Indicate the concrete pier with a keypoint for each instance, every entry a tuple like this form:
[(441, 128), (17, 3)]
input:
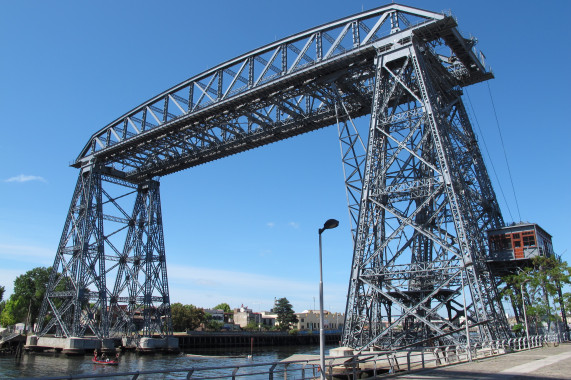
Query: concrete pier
[(86, 345), (70, 346), (151, 345)]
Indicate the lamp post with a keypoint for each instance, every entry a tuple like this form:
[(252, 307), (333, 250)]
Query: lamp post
[(329, 224), (468, 346), (524, 312)]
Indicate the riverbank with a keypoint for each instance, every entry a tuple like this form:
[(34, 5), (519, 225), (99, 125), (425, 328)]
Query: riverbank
[(231, 340), (47, 364), (179, 341)]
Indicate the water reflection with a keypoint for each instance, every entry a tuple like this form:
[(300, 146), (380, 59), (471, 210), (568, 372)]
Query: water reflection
[(54, 364)]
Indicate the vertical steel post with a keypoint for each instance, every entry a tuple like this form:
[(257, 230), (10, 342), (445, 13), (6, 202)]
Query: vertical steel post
[(321, 318), (524, 315), (468, 346)]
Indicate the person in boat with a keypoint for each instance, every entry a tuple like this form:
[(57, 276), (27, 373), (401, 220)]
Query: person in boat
[(95, 355), (104, 357)]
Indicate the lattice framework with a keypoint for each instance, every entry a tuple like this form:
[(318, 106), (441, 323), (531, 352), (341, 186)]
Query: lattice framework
[(418, 194), (426, 202)]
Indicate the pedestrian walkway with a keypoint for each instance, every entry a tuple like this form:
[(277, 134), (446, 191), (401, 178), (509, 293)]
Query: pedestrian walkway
[(540, 363)]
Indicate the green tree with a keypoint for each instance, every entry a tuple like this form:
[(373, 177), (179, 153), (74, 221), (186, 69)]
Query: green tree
[(2, 302), (28, 295), (212, 324), (518, 329), (285, 313), (542, 282), (223, 306), (9, 314), (251, 326), (186, 317)]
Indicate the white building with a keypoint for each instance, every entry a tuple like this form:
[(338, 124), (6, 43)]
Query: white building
[(308, 320), (269, 319)]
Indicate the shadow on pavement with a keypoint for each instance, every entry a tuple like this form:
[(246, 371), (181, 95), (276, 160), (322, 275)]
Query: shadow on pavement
[(437, 374)]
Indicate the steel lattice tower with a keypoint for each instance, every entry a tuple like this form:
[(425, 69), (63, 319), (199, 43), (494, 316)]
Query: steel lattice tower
[(78, 300), (425, 204)]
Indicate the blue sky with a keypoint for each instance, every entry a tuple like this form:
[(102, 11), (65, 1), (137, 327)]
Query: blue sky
[(243, 230)]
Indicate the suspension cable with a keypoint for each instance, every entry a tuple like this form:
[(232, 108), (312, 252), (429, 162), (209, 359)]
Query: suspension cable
[(504, 149), (488, 153)]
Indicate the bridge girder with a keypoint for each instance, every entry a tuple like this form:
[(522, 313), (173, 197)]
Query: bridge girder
[(274, 92), (326, 75)]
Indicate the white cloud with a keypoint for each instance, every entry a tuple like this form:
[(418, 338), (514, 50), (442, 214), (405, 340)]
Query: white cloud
[(225, 279), (27, 253), (207, 287), (294, 224), (7, 277), (25, 178), (271, 224)]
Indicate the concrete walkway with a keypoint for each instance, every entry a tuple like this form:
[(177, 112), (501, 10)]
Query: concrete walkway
[(539, 363)]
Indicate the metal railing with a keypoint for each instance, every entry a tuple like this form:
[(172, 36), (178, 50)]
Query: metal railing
[(374, 363), (7, 337)]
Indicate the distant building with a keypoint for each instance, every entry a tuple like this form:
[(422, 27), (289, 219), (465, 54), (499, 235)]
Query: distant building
[(309, 320), (217, 315), (230, 327), (269, 319), (244, 316)]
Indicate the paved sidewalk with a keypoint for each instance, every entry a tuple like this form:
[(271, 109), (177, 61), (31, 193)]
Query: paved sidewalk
[(539, 363)]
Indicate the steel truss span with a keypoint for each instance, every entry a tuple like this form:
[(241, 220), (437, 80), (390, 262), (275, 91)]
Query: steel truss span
[(418, 192)]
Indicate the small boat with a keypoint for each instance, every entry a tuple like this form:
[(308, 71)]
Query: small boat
[(105, 362)]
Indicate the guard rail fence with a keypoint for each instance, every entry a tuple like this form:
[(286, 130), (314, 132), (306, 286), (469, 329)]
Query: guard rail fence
[(371, 363)]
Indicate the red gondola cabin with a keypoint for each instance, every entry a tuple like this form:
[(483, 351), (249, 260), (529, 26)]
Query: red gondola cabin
[(519, 241)]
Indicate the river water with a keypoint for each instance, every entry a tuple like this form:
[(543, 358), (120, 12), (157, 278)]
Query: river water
[(54, 364)]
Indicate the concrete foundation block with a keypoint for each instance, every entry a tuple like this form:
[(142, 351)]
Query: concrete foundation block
[(70, 346), (149, 345), (341, 351)]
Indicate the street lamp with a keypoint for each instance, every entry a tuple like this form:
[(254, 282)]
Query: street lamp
[(329, 224), (524, 312), (468, 346)]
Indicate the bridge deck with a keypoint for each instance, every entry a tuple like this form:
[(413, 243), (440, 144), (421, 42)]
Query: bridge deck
[(543, 363)]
